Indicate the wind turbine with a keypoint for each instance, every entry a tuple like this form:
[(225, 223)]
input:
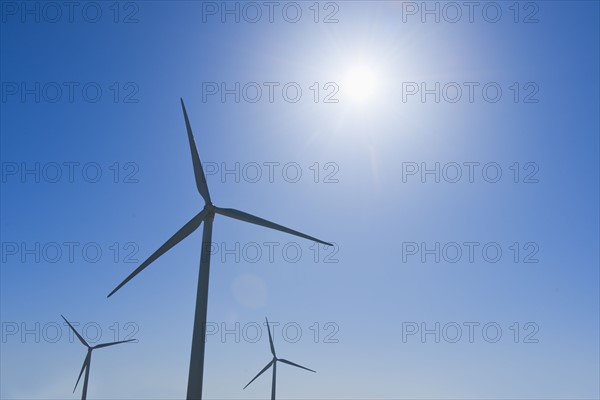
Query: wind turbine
[(273, 364), (207, 215), (88, 358)]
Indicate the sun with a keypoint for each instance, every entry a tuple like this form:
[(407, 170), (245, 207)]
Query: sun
[(359, 84)]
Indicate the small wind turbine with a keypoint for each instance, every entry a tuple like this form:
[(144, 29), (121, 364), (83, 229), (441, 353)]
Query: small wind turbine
[(273, 364), (88, 358), (207, 215)]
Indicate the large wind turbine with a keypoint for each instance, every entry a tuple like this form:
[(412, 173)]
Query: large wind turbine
[(194, 389), (88, 358), (273, 364)]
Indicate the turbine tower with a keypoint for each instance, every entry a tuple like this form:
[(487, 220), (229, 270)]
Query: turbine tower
[(207, 215), (273, 364), (88, 358)]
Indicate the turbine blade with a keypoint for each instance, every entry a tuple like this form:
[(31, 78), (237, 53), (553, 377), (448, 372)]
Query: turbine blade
[(260, 373), (198, 172), (113, 343), (83, 367), (270, 339), (295, 365), (242, 216), (181, 234), (81, 339)]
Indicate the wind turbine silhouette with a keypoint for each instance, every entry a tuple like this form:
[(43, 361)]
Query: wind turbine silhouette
[(207, 215), (273, 364), (88, 358)]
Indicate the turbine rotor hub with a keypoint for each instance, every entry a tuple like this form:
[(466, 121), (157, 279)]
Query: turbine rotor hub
[(210, 209)]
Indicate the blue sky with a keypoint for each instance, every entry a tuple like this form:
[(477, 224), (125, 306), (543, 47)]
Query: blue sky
[(361, 185)]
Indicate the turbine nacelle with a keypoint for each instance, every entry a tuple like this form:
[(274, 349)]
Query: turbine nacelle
[(209, 209)]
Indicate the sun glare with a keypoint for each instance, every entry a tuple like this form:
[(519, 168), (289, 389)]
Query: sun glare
[(360, 84)]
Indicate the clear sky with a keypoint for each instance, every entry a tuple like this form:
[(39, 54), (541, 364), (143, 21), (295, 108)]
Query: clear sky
[(454, 163)]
